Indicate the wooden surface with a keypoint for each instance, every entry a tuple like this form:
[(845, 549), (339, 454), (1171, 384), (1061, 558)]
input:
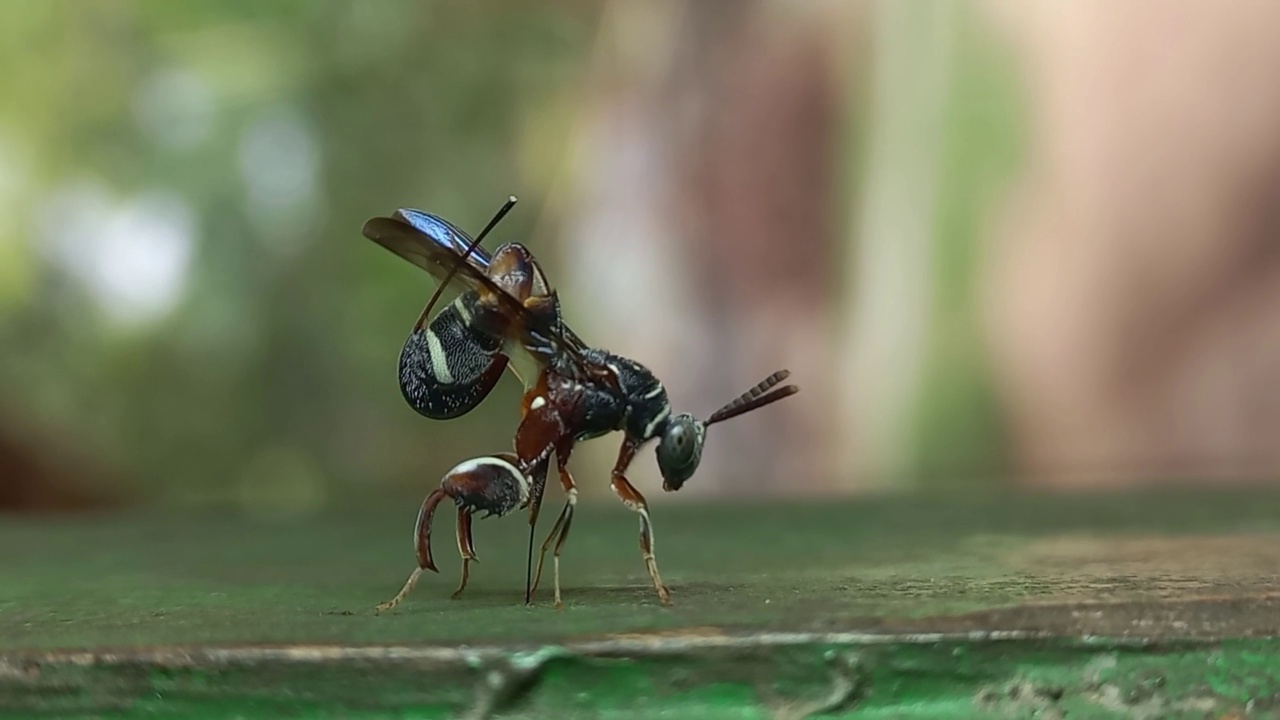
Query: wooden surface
[(93, 601)]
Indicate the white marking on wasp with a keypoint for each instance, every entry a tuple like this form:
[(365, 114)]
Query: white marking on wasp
[(657, 420), (655, 392), (439, 361), (537, 403), (498, 464), (463, 313), (616, 372)]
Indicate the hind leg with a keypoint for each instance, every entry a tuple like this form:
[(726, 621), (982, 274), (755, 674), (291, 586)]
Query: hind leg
[(491, 484), (422, 545), (466, 548), (404, 592)]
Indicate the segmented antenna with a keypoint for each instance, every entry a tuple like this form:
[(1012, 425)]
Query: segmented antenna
[(756, 397), (497, 217)]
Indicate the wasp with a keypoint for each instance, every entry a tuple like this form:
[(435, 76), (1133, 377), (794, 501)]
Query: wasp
[(500, 312)]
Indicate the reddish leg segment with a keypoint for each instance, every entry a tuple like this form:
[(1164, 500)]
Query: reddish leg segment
[(542, 429), (632, 498)]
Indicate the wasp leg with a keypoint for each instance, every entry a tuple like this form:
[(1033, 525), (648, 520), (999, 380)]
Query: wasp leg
[(632, 498), (466, 548), (564, 534), (422, 544), (536, 490), (491, 484), (404, 592), (560, 530), (542, 431), (542, 552)]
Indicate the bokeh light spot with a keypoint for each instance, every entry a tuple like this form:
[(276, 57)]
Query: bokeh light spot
[(175, 108), (132, 256), (279, 160)]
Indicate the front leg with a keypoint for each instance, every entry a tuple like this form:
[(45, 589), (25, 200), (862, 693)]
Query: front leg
[(632, 498)]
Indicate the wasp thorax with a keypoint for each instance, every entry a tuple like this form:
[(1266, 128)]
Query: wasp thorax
[(680, 450)]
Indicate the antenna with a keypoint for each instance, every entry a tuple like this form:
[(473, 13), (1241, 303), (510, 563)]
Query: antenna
[(756, 397)]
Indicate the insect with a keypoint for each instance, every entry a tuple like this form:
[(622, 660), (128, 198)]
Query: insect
[(502, 313)]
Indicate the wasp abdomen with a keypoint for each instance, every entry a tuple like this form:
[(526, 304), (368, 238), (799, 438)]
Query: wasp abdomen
[(490, 484), (450, 366)]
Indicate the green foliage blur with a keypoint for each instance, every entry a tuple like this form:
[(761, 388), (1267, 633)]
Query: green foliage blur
[(263, 135), (959, 423), (188, 308)]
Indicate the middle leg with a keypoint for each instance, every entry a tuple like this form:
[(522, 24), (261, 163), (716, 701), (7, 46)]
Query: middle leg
[(540, 431), (538, 484), (560, 531)]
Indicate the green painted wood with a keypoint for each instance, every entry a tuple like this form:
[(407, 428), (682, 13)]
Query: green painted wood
[(917, 607)]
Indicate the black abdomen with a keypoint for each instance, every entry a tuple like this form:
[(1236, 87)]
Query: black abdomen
[(448, 368)]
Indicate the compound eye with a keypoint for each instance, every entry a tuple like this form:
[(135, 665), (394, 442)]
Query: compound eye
[(679, 445)]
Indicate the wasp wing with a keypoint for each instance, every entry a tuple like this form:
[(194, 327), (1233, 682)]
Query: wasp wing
[(450, 238), (436, 245)]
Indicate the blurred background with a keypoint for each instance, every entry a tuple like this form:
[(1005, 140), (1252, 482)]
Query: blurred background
[(998, 243)]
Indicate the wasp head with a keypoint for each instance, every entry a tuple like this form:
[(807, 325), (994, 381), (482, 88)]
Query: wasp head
[(680, 450)]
